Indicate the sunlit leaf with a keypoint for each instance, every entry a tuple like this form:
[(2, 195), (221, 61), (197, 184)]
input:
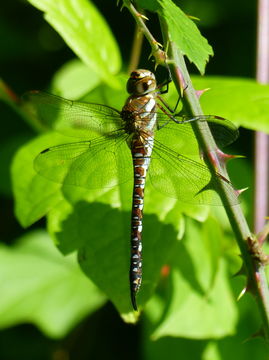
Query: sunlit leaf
[(85, 31), (43, 287), (34, 195), (73, 80), (7, 151), (101, 234), (190, 298), (81, 226), (194, 314), (241, 100), (183, 31)]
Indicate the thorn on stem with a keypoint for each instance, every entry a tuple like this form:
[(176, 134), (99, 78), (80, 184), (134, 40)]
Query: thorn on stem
[(238, 192), (193, 17), (142, 16), (155, 42), (242, 293), (224, 158), (160, 57), (199, 93)]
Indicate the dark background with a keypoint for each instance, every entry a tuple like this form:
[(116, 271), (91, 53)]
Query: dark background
[(31, 52)]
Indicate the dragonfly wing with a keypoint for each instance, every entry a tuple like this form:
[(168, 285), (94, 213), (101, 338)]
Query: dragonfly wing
[(72, 118), (223, 131), (185, 179), (180, 137), (98, 163)]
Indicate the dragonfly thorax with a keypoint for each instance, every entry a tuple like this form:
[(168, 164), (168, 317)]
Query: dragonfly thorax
[(141, 82), (139, 113)]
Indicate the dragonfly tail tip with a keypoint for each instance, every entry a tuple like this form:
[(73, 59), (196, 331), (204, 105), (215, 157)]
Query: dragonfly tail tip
[(133, 298)]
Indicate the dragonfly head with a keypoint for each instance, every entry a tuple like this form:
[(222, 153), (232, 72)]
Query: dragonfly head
[(141, 82)]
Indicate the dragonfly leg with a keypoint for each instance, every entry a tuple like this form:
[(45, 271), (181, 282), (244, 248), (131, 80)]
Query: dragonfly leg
[(170, 116), (165, 83)]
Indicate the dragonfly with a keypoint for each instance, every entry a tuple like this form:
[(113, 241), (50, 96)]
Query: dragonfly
[(141, 141)]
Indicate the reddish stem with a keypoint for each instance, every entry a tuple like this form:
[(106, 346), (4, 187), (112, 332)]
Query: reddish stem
[(261, 139)]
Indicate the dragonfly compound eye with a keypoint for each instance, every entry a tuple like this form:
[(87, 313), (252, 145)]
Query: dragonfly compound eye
[(142, 86)]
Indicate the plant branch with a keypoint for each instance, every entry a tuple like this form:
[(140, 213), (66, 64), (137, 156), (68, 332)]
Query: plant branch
[(248, 244), (159, 55), (250, 249), (136, 49)]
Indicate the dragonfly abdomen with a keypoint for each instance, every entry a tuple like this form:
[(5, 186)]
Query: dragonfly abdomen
[(141, 152)]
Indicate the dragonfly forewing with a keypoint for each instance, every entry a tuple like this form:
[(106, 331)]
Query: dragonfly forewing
[(185, 179), (99, 163), (223, 131), (72, 118)]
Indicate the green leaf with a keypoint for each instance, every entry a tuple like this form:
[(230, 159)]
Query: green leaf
[(167, 347), (108, 95), (73, 80), (199, 260), (7, 151), (239, 347), (210, 235), (241, 100), (195, 315), (101, 234), (34, 195), (211, 352), (42, 287), (183, 31), (186, 35), (193, 297), (85, 32)]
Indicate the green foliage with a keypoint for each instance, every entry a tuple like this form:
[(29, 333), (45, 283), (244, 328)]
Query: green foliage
[(7, 150), (107, 235), (33, 197), (198, 287), (77, 23), (225, 349), (182, 31), (241, 100), (74, 80), (43, 287), (196, 301), (205, 308)]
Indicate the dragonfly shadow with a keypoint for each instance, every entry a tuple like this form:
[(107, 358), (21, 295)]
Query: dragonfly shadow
[(185, 265), (101, 236), (182, 262)]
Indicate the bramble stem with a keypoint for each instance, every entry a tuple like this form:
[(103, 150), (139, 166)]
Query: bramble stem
[(257, 282), (159, 55), (250, 248), (136, 49)]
